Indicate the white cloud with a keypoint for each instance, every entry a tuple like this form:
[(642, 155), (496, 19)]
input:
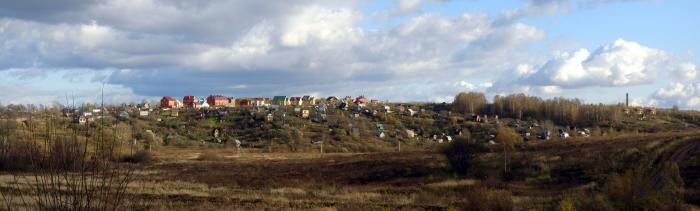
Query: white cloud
[(620, 63), (686, 72), (325, 25), (683, 95)]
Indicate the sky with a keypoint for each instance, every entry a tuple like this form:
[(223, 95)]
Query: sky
[(402, 50)]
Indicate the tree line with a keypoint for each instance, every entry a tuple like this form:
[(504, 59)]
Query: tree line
[(562, 111)]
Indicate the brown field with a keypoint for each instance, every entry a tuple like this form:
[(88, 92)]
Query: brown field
[(223, 179)]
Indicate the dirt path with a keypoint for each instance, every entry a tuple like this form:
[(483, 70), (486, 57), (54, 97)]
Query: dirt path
[(676, 156)]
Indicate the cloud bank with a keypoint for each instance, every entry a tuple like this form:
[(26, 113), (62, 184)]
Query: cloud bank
[(150, 48)]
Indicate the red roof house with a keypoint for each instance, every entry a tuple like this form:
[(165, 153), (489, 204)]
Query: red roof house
[(168, 102), (189, 101), (297, 101)]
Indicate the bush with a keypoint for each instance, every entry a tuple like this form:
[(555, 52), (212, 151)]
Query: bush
[(461, 155), (141, 156), (636, 189), (66, 155), (19, 156)]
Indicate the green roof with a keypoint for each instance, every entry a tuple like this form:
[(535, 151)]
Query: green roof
[(279, 99)]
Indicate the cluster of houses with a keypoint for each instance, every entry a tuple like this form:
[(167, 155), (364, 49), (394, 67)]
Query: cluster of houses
[(640, 111), (83, 115), (220, 101)]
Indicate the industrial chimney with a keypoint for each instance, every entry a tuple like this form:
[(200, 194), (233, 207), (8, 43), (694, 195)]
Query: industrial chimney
[(627, 99)]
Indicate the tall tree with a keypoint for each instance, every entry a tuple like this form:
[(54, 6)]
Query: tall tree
[(469, 103), (508, 137)]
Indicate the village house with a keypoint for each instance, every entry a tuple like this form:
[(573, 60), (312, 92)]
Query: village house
[(361, 100), (309, 100), (652, 111), (332, 99), (217, 100), (178, 103), (190, 101), (261, 102), (280, 101), (231, 102), (245, 102), (374, 101), (203, 104), (296, 101), (168, 102)]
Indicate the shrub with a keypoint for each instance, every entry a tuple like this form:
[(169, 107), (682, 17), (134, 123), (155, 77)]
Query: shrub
[(636, 189), (141, 156), (19, 156), (461, 155), (66, 154)]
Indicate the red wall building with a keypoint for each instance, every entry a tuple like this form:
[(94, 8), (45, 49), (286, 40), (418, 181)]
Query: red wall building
[(217, 101), (189, 101), (168, 102)]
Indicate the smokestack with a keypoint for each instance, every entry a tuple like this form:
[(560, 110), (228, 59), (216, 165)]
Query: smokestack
[(627, 99)]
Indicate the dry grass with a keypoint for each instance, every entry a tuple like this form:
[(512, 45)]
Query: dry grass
[(450, 183), (221, 179)]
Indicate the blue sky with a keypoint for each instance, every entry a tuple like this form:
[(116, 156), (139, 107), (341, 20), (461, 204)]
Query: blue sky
[(403, 50)]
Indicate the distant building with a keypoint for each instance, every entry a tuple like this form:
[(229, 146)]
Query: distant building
[(361, 100), (296, 101), (309, 100), (190, 101), (245, 102), (332, 99), (217, 101), (168, 102), (280, 101), (231, 102), (203, 104), (261, 102), (652, 111)]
